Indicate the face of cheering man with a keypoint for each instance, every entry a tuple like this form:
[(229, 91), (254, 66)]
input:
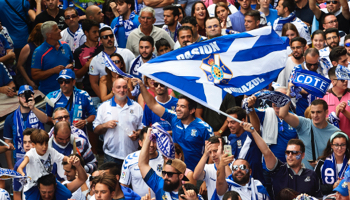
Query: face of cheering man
[(332, 40), (297, 50), (172, 178), (107, 38), (120, 89), (185, 37), (241, 172), (183, 111), (294, 156), (146, 49)]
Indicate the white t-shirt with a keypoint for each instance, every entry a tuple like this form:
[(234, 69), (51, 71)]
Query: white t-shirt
[(97, 65), (131, 172), (39, 166), (77, 195), (211, 9), (210, 178), (284, 75)]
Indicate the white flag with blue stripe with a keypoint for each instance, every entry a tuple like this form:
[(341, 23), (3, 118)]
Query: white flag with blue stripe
[(236, 64)]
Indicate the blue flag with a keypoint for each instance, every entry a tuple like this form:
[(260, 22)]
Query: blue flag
[(235, 64), (312, 82), (164, 141), (114, 68)]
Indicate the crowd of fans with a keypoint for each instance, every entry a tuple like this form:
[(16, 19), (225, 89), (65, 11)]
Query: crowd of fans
[(73, 53)]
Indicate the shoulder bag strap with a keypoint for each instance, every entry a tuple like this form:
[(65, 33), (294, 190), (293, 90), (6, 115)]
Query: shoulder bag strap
[(19, 15), (313, 144)]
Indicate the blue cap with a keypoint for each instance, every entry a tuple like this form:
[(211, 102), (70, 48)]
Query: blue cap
[(342, 188), (66, 74), (24, 88)]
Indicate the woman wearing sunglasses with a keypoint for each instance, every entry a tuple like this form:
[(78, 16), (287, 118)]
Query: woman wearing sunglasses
[(106, 82), (333, 163)]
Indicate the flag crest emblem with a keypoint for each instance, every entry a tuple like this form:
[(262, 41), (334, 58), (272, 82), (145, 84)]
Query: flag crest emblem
[(215, 70)]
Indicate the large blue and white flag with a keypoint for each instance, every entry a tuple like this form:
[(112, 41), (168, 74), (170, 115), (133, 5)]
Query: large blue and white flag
[(236, 64)]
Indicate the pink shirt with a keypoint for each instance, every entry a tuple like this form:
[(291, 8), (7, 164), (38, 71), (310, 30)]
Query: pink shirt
[(332, 102)]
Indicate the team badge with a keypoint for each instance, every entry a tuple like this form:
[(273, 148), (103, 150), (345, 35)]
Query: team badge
[(131, 111), (193, 132), (123, 175), (159, 168), (173, 107), (239, 143), (63, 51), (215, 70), (307, 179)]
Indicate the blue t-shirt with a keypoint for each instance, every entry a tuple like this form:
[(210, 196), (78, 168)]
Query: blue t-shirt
[(191, 139), (271, 17), (17, 28), (5, 77), (150, 118), (120, 34), (253, 155), (129, 194), (156, 183), (17, 186), (46, 57), (237, 21)]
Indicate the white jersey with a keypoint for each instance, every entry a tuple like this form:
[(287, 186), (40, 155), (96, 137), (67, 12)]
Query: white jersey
[(97, 65), (210, 178), (4, 195), (324, 57), (78, 194), (74, 40), (131, 172)]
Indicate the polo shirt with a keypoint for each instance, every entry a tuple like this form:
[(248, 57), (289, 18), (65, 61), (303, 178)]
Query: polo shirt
[(59, 19), (333, 101), (321, 137), (305, 181), (129, 119), (5, 77), (149, 117), (191, 139), (46, 57), (156, 33), (120, 34)]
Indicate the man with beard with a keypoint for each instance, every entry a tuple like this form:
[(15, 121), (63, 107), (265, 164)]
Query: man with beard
[(164, 99), (173, 173), (298, 46), (291, 174), (331, 21), (51, 13), (192, 23), (26, 116), (146, 48), (131, 175), (332, 40), (212, 27), (185, 36), (171, 23), (333, 7), (119, 120), (97, 64), (188, 131)]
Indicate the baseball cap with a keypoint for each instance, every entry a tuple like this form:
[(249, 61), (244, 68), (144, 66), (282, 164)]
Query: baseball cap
[(179, 165), (342, 188), (66, 74), (24, 88)]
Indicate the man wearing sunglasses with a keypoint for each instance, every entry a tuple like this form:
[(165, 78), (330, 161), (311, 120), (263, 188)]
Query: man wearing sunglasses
[(51, 13), (338, 99), (292, 173), (213, 27), (333, 6), (72, 35), (347, 47)]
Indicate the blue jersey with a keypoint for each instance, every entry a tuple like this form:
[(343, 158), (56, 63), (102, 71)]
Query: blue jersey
[(5, 77), (191, 139), (46, 57), (272, 16), (150, 118), (17, 186), (244, 147), (120, 33)]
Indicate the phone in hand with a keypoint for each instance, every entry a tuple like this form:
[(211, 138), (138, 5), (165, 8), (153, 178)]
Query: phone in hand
[(27, 95), (228, 149)]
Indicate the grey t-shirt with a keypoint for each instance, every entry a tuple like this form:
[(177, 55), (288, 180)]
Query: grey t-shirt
[(321, 137)]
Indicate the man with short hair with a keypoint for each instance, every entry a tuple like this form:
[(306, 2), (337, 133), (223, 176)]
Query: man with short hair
[(331, 21), (51, 13), (188, 131), (332, 40), (338, 56), (72, 35), (97, 64), (25, 116), (286, 12), (333, 7), (213, 27), (119, 117), (321, 129), (77, 102), (185, 36), (298, 46), (237, 18), (291, 174), (131, 175), (146, 19), (50, 58), (125, 22), (251, 20), (94, 13), (192, 23), (162, 46), (146, 49), (171, 21)]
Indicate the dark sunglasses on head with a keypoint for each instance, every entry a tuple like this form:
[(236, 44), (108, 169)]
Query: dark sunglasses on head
[(333, 2), (60, 118), (107, 36), (66, 81), (71, 16), (347, 44), (292, 152), (241, 167), (169, 174), (158, 84)]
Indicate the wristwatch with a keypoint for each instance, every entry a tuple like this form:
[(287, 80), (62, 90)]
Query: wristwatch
[(220, 131), (86, 122)]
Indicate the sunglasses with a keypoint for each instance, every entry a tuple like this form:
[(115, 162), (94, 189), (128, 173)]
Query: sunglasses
[(158, 84), (292, 152), (71, 16), (60, 118), (347, 44), (308, 65), (169, 174), (116, 61), (340, 80), (66, 81), (107, 36), (333, 2), (241, 167)]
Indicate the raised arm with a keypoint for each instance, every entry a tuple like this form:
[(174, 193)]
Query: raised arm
[(23, 56), (199, 173), (291, 119), (40, 114), (254, 119), (149, 99), (345, 9), (82, 176), (144, 156), (315, 9), (157, 3), (221, 184)]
